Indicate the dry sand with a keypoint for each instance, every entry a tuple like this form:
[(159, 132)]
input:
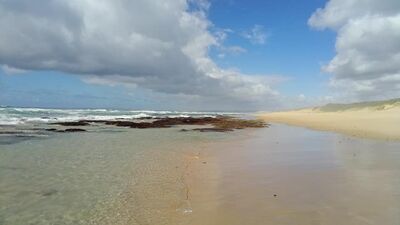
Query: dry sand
[(377, 121)]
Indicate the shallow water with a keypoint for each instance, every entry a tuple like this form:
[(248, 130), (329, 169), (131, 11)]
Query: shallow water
[(277, 175), (120, 176), (289, 175)]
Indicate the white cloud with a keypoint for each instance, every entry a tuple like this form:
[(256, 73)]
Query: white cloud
[(231, 50), (301, 97), (11, 70), (367, 61), (338, 13), (157, 45), (221, 35), (256, 35)]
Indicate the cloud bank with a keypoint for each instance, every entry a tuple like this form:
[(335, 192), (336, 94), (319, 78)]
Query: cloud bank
[(367, 61), (157, 45)]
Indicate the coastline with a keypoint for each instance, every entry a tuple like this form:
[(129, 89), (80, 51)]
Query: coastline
[(137, 169), (275, 175), (364, 123)]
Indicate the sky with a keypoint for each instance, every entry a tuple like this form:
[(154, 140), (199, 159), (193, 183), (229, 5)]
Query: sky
[(198, 54)]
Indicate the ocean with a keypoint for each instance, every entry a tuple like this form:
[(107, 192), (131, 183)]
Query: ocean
[(108, 175), (18, 124), (21, 116)]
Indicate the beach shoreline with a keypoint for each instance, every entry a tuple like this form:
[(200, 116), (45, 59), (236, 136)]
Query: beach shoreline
[(291, 175), (174, 174), (275, 175), (365, 123)]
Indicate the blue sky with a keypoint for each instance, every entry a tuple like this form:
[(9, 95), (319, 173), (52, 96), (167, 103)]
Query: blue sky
[(253, 53), (292, 48)]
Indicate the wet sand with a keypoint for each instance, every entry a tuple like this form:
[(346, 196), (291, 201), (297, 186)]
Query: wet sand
[(289, 175)]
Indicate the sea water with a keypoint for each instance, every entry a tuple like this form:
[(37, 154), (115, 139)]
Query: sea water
[(108, 175)]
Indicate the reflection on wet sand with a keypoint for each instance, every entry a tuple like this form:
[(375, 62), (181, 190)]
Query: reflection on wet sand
[(288, 175)]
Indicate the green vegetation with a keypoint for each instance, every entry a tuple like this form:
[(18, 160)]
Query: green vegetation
[(377, 105)]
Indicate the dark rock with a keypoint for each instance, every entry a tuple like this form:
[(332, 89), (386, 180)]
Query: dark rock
[(51, 129), (213, 129), (140, 125), (72, 124), (146, 118), (11, 132), (50, 192), (74, 130), (71, 130)]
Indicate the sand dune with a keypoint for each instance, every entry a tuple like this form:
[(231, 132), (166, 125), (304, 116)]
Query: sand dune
[(368, 119)]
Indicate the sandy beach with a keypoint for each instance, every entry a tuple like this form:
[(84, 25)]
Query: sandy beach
[(291, 175), (378, 121), (178, 175)]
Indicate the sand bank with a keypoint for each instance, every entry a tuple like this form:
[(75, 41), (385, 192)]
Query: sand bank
[(381, 122)]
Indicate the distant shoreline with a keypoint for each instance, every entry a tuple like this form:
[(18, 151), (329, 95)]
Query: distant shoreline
[(377, 122)]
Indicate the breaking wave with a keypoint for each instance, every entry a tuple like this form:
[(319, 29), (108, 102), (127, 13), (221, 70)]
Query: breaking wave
[(17, 116)]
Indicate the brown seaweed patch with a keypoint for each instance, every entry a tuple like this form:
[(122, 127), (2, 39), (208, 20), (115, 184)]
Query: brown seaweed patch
[(234, 123), (220, 124)]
